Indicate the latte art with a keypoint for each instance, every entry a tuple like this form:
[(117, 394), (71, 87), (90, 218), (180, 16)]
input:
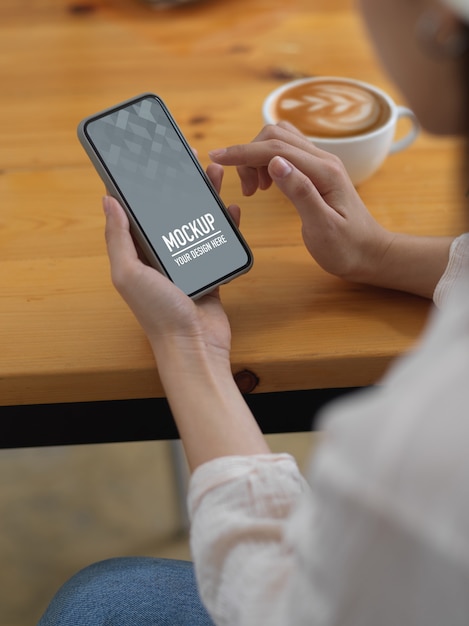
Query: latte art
[(332, 109)]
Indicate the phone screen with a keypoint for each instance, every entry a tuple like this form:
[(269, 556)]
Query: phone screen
[(165, 189)]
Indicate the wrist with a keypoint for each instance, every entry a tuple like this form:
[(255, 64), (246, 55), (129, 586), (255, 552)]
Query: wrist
[(366, 264), (409, 263), (376, 260), (211, 415), (181, 356)]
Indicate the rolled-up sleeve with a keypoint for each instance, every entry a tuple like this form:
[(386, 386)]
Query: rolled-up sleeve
[(379, 533), (458, 263), (238, 508)]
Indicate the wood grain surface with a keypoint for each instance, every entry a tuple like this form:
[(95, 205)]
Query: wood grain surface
[(65, 335)]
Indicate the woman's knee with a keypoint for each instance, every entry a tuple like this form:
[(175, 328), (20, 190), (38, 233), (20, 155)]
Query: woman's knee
[(129, 590)]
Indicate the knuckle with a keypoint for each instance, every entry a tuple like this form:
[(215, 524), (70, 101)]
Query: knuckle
[(121, 277), (270, 129), (271, 132), (276, 145), (334, 164), (334, 160), (303, 188), (117, 279)]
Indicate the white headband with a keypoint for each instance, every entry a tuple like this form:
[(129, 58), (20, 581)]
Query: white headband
[(460, 7)]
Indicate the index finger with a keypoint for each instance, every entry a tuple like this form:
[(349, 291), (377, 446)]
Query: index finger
[(252, 159), (121, 249)]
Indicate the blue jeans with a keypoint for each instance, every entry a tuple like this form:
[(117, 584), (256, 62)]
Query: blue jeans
[(129, 591)]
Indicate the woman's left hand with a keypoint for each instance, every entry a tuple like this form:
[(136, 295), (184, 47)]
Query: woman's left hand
[(163, 310)]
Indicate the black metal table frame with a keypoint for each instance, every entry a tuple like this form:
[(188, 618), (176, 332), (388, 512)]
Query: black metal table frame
[(113, 421)]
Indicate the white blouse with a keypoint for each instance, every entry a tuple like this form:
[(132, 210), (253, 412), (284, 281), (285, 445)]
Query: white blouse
[(378, 534)]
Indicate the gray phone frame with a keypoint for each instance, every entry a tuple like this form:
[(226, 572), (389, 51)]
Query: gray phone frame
[(138, 234)]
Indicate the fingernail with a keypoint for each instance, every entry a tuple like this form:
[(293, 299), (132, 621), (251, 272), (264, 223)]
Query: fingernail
[(280, 167), (214, 154)]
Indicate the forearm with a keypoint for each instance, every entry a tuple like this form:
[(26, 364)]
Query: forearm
[(212, 417), (409, 263), (191, 346)]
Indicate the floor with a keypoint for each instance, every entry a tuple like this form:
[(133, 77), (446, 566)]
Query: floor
[(63, 508)]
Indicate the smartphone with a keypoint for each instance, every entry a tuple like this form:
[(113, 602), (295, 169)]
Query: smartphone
[(175, 214)]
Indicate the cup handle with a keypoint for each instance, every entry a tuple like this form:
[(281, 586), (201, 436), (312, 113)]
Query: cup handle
[(411, 136)]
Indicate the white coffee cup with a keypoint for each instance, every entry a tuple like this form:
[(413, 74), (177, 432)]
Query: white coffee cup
[(349, 118)]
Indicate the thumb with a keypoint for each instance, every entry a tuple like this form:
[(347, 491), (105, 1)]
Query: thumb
[(117, 233), (296, 186), (120, 246)]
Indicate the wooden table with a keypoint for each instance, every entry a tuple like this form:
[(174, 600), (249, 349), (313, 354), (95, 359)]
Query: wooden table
[(74, 364)]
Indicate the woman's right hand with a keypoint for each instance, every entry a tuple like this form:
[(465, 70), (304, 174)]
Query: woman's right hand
[(338, 230)]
